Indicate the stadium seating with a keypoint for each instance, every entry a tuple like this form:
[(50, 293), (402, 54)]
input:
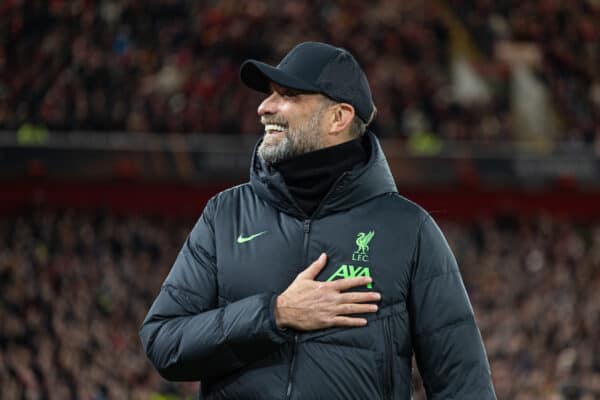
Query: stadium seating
[(173, 66)]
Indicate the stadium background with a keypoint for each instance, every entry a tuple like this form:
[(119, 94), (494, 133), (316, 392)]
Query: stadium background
[(120, 118)]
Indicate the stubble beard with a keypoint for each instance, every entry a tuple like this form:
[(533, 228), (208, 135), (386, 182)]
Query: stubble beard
[(296, 141)]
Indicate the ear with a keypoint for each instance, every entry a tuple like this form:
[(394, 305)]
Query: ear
[(341, 118)]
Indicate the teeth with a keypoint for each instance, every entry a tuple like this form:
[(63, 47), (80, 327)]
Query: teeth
[(274, 127)]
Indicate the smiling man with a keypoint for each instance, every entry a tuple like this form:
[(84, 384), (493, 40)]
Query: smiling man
[(316, 280), (306, 111)]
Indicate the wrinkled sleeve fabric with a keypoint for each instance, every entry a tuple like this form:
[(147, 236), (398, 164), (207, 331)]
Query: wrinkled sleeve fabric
[(186, 335), (447, 344)]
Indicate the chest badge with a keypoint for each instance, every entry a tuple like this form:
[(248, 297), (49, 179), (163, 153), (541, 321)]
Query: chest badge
[(362, 243), (361, 255)]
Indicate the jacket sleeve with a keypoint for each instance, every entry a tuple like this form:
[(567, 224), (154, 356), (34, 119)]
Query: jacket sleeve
[(186, 335), (446, 341)]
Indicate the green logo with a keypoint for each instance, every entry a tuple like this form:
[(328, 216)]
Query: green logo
[(350, 271), (362, 243), (242, 239)]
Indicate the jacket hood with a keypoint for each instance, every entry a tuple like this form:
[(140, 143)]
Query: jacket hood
[(355, 187)]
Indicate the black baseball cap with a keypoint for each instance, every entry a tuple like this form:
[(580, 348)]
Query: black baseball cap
[(318, 68)]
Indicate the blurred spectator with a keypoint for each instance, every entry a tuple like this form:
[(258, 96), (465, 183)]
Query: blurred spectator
[(75, 286)]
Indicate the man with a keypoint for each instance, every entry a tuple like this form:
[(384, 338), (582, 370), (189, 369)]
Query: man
[(316, 280)]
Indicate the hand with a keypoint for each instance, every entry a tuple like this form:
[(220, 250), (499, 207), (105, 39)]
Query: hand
[(309, 305)]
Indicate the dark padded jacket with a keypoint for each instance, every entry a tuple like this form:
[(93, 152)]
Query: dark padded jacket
[(213, 318)]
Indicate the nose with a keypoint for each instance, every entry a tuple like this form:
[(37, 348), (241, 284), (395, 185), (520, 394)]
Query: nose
[(268, 105)]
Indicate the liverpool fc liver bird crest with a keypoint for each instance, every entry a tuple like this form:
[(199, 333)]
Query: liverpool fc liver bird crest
[(362, 241)]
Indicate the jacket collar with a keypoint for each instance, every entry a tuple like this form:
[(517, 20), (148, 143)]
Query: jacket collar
[(351, 189)]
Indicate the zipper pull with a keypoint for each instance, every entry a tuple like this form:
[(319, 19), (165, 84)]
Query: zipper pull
[(306, 225)]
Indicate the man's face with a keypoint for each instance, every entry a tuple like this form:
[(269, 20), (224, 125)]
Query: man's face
[(293, 123)]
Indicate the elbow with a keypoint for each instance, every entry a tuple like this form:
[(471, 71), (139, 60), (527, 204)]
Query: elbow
[(165, 357), (148, 334), (173, 373), (161, 359), (172, 369)]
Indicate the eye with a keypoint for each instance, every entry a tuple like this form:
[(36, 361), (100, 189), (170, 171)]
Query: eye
[(290, 93)]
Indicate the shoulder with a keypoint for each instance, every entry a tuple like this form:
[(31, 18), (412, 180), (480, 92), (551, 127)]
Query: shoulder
[(232, 193), (229, 201), (399, 207)]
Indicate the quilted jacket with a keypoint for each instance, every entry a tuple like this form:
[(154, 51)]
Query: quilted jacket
[(213, 319)]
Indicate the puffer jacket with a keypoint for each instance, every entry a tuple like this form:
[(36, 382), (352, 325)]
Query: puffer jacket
[(213, 319)]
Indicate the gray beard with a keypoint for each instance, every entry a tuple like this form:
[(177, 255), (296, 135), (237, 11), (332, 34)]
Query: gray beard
[(295, 142)]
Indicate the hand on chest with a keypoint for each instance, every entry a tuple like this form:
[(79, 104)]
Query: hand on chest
[(263, 256)]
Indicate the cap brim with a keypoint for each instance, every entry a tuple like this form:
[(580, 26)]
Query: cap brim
[(258, 76)]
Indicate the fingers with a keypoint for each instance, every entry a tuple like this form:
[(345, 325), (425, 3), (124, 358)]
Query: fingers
[(345, 309), (349, 283), (348, 321), (359, 297), (313, 269)]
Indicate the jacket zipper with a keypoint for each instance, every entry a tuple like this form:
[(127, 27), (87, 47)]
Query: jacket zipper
[(306, 228), (389, 354), (292, 363)]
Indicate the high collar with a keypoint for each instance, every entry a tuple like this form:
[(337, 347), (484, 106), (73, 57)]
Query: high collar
[(354, 187), (309, 176)]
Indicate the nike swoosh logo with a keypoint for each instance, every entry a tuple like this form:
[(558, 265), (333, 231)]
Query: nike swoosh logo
[(242, 239)]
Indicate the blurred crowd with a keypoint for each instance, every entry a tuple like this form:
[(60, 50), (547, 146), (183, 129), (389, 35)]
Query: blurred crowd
[(74, 289), (172, 65), (566, 38), (75, 286), (533, 283)]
